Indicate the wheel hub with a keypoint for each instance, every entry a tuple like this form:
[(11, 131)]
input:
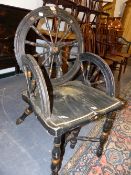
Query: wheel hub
[(54, 49)]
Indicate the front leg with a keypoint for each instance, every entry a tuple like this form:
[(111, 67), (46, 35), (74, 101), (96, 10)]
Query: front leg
[(106, 131), (56, 156)]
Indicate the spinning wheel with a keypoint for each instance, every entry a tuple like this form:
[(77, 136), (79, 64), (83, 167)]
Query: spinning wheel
[(53, 37)]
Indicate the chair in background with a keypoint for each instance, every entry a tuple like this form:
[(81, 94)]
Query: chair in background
[(68, 5), (123, 47), (101, 41), (109, 45), (118, 49), (87, 14), (62, 103)]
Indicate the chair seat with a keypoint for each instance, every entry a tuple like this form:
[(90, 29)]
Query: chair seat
[(116, 58), (108, 61), (125, 55), (74, 104)]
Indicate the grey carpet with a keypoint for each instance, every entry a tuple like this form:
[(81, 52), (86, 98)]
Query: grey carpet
[(24, 149)]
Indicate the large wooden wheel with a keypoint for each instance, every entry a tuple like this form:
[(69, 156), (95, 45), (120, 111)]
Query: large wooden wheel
[(53, 37)]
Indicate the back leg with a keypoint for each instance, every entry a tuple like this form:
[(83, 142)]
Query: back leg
[(26, 113), (75, 134)]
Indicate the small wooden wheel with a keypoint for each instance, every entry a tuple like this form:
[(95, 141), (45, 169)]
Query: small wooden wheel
[(36, 87), (96, 73)]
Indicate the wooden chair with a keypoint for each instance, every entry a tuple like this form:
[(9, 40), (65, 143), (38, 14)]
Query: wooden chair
[(101, 42), (119, 45), (89, 37), (109, 47), (64, 109), (62, 101), (123, 47), (68, 4)]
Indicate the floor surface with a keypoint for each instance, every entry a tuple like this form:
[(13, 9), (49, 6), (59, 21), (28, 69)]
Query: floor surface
[(24, 149)]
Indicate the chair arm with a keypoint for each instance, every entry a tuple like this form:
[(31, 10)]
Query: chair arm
[(110, 43), (124, 39), (126, 42)]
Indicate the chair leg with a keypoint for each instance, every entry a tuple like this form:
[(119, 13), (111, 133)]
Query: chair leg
[(73, 141), (17, 69), (120, 70), (56, 156), (106, 131), (26, 113), (125, 64)]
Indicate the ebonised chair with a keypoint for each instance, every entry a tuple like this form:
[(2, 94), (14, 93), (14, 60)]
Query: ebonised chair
[(65, 93), (64, 109)]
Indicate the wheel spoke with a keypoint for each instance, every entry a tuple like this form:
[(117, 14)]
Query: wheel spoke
[(57, 31), (43, 62), (83, 73), (91, 70), (59, 72), (98, 82), (28, 80), (51, 66), (95, 74), (49, 30), (39, 34), (70, 53), (33, 85), (87, 73), (65, 34), (40, 54), (36, 44), (71, 43)]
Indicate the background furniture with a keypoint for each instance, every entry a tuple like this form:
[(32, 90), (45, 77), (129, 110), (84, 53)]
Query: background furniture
[(9, 20), (111, 46)]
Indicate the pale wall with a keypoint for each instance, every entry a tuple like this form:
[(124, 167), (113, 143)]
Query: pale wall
[(27, 4), (119, 8)]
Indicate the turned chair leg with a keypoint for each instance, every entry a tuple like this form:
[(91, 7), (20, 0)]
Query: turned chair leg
[(73, 141), (125, 64), (56, 156), (26, 113), (120, 71), (106, 131)]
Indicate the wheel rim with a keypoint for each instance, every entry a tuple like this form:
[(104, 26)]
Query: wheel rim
[(97, 74), (36, 87), (55, 42)]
